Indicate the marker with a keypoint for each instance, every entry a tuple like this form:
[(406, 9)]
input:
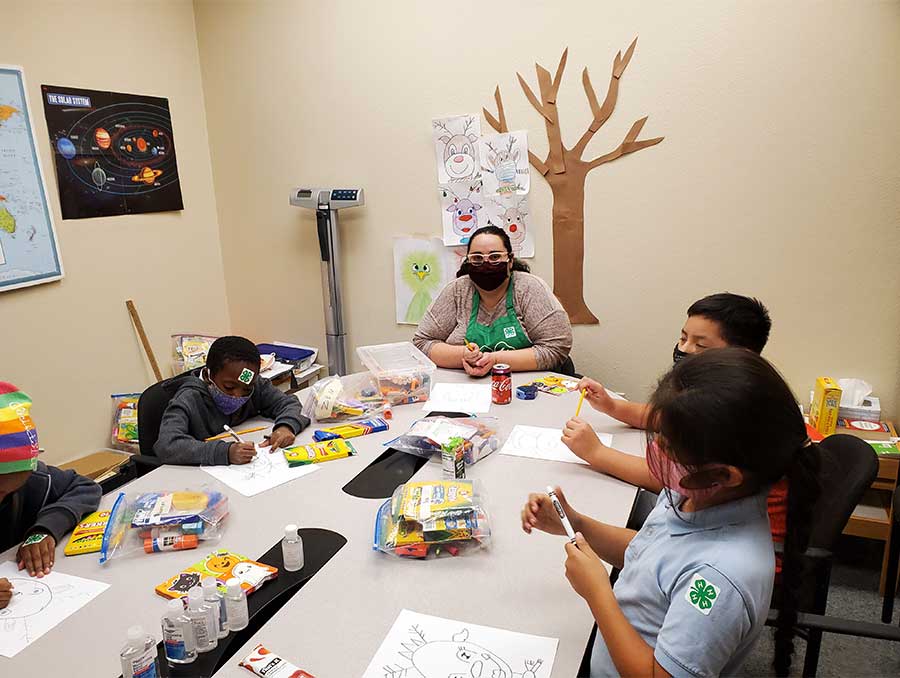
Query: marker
[(567, 526), (580, 400), (230, 431)]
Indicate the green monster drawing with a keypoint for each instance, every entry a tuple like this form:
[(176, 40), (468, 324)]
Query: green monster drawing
[(421, 272)]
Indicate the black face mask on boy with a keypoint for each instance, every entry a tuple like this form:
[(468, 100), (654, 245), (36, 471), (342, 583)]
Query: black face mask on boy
[(489, 276), (678, 355)]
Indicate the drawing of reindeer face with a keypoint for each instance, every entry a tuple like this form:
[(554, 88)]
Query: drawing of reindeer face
[(504, 164), (514, 225), (465, 217), (459, 155), (459, 658)]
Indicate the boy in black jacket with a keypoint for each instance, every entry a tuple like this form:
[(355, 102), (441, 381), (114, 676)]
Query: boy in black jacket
[(38, 503), (227, 391)]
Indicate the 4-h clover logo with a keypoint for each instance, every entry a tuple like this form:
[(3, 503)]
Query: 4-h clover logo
[(702, 595)]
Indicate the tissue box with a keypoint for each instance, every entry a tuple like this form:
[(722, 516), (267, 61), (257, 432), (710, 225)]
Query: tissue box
[(823, 413), (870, 410)]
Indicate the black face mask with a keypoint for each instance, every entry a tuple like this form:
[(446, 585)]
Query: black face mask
[(678, 355), (489, 276)]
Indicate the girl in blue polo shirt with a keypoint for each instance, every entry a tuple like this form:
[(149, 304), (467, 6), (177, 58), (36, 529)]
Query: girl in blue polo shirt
[(696, 580)]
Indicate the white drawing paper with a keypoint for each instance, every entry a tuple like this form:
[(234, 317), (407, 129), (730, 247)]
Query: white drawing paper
[(422, 646), (504, 163), (536, 442), (510, 212), (462, 211), (267, 470), (38, 605), (468, 398), (456, 147), (422, 266)]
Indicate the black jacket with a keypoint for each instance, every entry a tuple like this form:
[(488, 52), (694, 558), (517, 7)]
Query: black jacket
[(51, 501), (192, 416)]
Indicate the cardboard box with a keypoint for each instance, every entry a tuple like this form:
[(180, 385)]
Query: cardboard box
[(823, 413), (98, 464)]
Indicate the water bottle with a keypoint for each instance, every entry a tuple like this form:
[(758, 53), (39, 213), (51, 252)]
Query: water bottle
[(178, 635), (139, 655), (214, 599), (202, 621), (236, 605), (292, 549)]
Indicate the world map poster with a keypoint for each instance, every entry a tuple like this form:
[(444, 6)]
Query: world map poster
[(28, 249), (114, 153)]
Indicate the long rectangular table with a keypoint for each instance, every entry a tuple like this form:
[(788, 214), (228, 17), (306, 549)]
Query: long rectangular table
[(336, 622)]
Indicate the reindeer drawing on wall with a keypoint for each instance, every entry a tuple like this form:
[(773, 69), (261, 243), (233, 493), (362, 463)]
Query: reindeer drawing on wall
[(464, 212), (512, 220), (503, 164), (460, 162)]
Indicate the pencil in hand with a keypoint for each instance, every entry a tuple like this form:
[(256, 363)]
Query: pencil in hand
[(580, 401)]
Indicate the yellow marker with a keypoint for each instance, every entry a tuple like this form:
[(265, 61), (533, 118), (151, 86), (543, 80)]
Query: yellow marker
[(222, 436), (580, 400)]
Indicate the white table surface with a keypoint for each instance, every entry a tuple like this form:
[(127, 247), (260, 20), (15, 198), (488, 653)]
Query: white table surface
[(337, 621)]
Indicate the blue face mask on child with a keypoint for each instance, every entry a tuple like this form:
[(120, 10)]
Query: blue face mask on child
[(227, 404)]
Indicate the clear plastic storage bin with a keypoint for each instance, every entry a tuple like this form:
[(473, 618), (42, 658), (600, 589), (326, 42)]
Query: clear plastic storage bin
[(403, 372)]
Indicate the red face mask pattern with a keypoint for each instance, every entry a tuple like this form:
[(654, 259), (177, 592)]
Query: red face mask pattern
[(670, 474)]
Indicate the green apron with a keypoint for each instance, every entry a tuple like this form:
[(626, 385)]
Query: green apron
[(504, 334)]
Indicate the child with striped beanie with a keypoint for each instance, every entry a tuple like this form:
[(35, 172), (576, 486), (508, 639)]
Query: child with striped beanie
[(39, 504)]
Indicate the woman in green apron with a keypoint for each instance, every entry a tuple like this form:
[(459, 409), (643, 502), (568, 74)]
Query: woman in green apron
[(495, 312)]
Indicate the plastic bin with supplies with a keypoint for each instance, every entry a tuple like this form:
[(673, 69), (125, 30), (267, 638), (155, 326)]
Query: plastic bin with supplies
[(403, 372)]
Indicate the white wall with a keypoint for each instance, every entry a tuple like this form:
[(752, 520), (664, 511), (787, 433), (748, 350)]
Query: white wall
[(778, 177), (71, 344)]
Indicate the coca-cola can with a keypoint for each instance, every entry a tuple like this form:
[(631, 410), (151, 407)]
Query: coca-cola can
[(501, 384)]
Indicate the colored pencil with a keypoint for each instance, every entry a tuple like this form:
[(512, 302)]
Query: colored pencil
[(580, 400), (222, 436)]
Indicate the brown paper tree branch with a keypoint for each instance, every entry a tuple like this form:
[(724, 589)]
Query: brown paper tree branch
[(566, 170)]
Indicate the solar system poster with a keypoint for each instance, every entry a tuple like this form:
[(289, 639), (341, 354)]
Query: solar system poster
[(114, 153)]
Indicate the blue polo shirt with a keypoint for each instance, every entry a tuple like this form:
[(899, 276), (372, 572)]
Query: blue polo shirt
[(697, 586)]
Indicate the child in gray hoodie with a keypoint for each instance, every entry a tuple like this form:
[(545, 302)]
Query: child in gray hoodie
[(227, 391)]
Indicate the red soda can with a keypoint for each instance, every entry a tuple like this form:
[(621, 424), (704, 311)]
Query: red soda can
[(501, 384)]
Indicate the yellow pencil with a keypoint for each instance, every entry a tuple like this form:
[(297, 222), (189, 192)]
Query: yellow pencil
[(472, 347), (580, 400), (222, 436)]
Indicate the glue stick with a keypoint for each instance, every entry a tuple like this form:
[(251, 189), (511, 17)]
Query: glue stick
[(171, 543)]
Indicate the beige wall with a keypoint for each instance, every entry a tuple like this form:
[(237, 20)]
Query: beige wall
[(779, 175), (71, 344)]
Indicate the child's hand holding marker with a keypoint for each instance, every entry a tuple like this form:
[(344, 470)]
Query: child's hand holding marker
[(241, 453), (584, 569), (540, 514), (6, 592)]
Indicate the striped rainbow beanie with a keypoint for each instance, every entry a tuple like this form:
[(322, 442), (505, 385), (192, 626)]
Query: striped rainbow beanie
[(18, 435)]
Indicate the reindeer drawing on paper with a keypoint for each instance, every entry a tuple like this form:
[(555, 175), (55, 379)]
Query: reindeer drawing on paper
[(464, 212), (512, 220), (459, 161), (455, 658), (503, 163)]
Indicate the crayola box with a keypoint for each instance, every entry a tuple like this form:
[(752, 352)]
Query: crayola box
[(222, 565), (418, 501), (87, 537), (315, 453), (823, 412)]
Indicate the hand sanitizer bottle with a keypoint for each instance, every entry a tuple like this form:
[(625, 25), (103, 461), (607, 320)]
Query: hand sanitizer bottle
[(292, 549), (139, 655), (236, 605), (178, 635), (213, 598), (202, 621)]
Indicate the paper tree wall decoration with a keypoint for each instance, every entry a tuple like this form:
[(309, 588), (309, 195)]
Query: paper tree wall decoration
[(566, 171)]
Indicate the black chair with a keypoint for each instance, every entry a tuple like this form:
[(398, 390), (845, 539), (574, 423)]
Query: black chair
[(151, 406), (848, 466), (890, 582)]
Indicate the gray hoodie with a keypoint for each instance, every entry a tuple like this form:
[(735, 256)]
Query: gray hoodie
[(192, 416)]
